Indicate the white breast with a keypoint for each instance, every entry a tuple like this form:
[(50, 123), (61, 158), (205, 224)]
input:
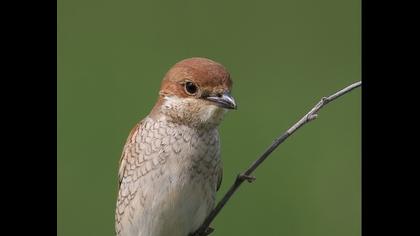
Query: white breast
[(179, 199)]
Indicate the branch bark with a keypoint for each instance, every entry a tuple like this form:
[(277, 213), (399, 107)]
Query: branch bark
[(205, 228)]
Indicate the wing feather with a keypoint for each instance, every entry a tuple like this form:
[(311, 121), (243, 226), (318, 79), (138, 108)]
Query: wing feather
[(219, 177), (123, 159)]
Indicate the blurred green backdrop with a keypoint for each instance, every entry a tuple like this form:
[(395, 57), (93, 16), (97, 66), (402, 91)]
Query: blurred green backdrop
[(283, 57)]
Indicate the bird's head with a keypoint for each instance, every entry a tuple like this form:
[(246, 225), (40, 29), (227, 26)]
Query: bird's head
[(196, 92)]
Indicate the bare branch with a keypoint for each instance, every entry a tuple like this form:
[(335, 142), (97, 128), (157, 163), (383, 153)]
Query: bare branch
[(204, 229)]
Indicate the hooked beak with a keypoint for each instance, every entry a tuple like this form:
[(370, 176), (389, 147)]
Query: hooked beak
[(224, 100)]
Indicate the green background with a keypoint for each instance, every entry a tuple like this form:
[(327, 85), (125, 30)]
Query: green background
[(283, 57)]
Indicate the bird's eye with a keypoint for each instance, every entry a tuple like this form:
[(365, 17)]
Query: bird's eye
[(191, 88)]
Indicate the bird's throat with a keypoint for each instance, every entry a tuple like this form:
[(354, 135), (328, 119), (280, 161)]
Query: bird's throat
[(191, 111)]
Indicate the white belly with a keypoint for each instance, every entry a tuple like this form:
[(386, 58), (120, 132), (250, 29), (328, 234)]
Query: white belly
[(178, 208), (173, 189)]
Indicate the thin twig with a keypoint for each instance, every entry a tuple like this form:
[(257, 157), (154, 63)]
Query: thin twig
[(204, 229)]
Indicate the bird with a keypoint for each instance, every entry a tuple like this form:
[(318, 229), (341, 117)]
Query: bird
[(170, 168)]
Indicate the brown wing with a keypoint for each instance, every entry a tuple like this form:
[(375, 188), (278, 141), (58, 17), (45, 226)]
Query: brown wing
[(125, 193), (122, 162), (142, 156)]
